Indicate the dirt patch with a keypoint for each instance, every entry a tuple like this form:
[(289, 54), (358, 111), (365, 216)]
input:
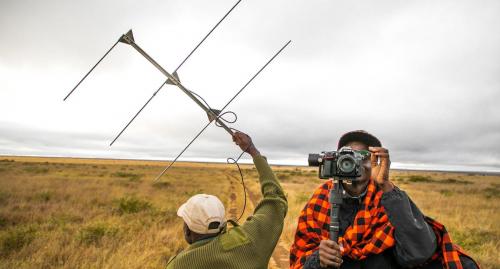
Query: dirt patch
[(233, 207)]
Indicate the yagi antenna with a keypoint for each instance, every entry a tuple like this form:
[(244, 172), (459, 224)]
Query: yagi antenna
[(214, 115), (131, 37), (174, 73), (173, 79)]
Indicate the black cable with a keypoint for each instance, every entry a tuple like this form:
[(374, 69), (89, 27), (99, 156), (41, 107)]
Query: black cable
[(200, 98), (226, 120), (229, 160), (233, 161)]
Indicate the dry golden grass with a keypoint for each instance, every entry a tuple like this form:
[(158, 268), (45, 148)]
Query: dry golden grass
[(84, 213)]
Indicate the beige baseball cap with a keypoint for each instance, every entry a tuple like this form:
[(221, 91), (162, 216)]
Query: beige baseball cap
[(201, 212)]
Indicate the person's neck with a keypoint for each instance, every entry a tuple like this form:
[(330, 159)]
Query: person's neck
[(200, 237)]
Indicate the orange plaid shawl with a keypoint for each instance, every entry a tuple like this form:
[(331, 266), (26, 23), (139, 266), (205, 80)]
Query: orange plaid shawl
[(371, 233)]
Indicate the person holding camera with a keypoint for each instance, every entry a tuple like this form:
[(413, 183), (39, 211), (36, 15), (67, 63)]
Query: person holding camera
[(213, 245), (379, 225)]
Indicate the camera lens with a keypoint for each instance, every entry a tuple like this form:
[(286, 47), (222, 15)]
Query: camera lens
[(346, 164), (313, 159)]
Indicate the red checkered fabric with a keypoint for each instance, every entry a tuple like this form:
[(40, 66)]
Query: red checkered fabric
[(448, 252), (371, 232)]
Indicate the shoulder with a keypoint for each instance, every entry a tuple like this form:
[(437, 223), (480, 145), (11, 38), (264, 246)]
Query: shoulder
[(234, 237)]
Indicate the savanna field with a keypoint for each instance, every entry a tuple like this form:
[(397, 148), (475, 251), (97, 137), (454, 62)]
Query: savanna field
[(84, 213)]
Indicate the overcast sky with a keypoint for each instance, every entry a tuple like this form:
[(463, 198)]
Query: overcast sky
[(423, 76)]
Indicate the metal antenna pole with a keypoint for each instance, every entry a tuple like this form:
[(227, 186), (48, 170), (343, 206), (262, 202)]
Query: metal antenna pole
[(227, 104), (128, 38), (183, 150), (90, 70), (175, 71), (137, 114), (213, 28), (335, 203), (256, 74)]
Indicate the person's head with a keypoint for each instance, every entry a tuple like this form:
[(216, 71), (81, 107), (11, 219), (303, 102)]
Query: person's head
[(359, 140), (203, 215)]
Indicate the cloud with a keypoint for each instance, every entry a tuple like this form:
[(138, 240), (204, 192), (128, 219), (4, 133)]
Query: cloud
[(422, 76)]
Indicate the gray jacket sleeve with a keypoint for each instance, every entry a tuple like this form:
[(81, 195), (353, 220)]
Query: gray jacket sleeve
[(312, 261), (415, 239)]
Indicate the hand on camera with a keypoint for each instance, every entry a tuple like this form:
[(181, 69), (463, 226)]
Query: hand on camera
[(380, 164)]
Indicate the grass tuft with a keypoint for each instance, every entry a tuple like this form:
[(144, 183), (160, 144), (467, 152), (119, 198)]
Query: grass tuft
[(3, 221), (131, 204), (93, 234), (420, 179), (162, 185), (282, 176), (4, 197), (473, 239), (44, 196), (446, 193), (456, 181), (491, 192), (36, 169), (15, 239), (131, 176), (62, 219)]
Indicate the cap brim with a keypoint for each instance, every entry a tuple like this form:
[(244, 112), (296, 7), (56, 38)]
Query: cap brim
[(181, 211), (361, 136)]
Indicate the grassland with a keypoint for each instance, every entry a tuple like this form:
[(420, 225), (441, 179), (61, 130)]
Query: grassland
[(81, 213)]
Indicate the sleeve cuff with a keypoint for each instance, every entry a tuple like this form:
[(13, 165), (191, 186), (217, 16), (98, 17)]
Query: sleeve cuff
[(259, 158), (312, 262), (395, 195), (261, 163)]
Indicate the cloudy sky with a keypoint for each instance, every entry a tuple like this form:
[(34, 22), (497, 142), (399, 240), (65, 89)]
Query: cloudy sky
[(423, 76)]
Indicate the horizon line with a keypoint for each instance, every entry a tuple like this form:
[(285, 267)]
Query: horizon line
[(216, 161)]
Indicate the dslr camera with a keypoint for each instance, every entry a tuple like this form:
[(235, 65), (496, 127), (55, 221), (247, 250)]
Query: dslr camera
[(342, 164)]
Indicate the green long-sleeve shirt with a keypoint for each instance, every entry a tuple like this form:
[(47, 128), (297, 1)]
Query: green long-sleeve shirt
[(249, 245)]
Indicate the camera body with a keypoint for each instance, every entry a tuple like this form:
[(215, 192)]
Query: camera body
[(342, 164)]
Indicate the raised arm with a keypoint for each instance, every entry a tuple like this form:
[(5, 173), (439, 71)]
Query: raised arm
[(268, 218), (415, 239)]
